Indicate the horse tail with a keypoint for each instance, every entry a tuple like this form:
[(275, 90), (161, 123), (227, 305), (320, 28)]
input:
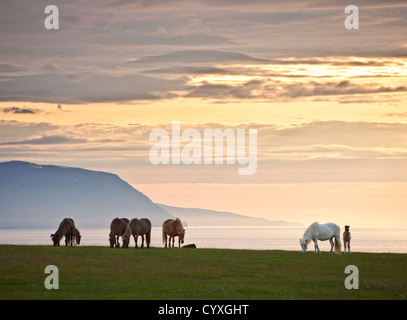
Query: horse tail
[(148, 238), (336, 246), (164, 235)]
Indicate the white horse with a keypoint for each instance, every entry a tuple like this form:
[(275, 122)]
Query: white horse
[(315, 232)]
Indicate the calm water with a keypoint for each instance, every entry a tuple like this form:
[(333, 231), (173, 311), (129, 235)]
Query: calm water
[(257, 238)]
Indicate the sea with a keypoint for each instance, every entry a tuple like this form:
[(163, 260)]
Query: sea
[(250, 238)]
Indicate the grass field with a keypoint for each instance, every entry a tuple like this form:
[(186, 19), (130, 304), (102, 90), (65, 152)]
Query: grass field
[(156, 273)]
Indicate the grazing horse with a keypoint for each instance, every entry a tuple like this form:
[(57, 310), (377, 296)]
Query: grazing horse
[(77, 236), (137, 228), (315, 232), (117, 228), (346, 239), (66, 229), (173, 228)]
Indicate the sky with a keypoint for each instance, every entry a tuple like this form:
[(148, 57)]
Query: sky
[(328, 103)]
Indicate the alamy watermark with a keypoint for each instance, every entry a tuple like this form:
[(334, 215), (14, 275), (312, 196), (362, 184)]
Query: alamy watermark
[(51, 281), (193, 147), (352, 281), (52, 20)]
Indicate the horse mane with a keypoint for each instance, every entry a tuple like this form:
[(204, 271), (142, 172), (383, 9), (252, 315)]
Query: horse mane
[(179, 222), (311, 231)]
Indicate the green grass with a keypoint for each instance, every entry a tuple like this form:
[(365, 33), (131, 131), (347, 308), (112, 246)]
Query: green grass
[(156, 273)]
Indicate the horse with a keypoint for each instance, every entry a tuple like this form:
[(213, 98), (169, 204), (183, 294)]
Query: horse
[(315, 232), (173, 228), (346, 239), (137, 228), (66, 229), (117, 228), (77, 236)]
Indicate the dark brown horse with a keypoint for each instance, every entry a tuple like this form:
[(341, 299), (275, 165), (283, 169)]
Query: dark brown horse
[(137, 228), (66, 229), (117, 228), (173, 228)]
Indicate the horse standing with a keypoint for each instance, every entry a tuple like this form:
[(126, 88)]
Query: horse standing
[(346, 239), (137, 228), (173, 228), (117, 228), (315, 232), (66, 229)]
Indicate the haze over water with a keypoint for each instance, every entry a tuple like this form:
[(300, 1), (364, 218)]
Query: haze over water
[(253, 238)]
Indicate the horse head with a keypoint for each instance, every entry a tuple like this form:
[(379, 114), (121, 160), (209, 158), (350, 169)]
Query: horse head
[(55, 240), (112, 240), (125, 240), (304, 244), (181, 234)]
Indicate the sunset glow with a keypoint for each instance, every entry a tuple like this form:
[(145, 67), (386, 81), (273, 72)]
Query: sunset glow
[(329, 104)]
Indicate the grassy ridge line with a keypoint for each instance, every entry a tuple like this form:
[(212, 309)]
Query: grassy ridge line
[(157, 273)]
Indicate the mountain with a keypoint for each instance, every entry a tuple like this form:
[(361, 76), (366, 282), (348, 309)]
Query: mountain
[(203, 217), (40, 196)]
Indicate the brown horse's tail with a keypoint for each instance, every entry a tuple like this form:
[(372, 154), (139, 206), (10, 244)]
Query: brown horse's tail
[(337, 248), (164, 236)]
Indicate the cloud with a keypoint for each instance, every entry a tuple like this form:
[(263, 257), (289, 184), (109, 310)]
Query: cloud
[(8, 68), (45, 140), (55, 88), (137, 39), (396, 114), (199, 56), (276, 90), (18, 110), (303, 152)]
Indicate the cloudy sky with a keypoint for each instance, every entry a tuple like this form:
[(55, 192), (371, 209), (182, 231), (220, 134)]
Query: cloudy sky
[(329, 103)]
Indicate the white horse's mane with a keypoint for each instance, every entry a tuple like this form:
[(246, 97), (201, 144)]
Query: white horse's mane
[(310, 232)]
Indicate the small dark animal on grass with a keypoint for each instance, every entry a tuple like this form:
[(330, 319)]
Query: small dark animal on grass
[(66, 229), (192, 246), (346, 238)]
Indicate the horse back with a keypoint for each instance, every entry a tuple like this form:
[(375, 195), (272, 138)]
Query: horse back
[(118, 226), (67, 226), (145, 225)]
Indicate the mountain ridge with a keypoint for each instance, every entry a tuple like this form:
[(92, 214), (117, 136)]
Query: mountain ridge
[(40, 196)]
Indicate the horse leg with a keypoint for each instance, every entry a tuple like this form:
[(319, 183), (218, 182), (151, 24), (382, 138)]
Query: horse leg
[(349, 247), (142, 241), (135, 240), (316, 246), (332, 245), (338, 239), (173, 241)]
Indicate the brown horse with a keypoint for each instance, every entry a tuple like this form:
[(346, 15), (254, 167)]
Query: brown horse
[(77, 236), (173, 228), (117, 228), (66, 229), (346, 238), (137, 228)]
